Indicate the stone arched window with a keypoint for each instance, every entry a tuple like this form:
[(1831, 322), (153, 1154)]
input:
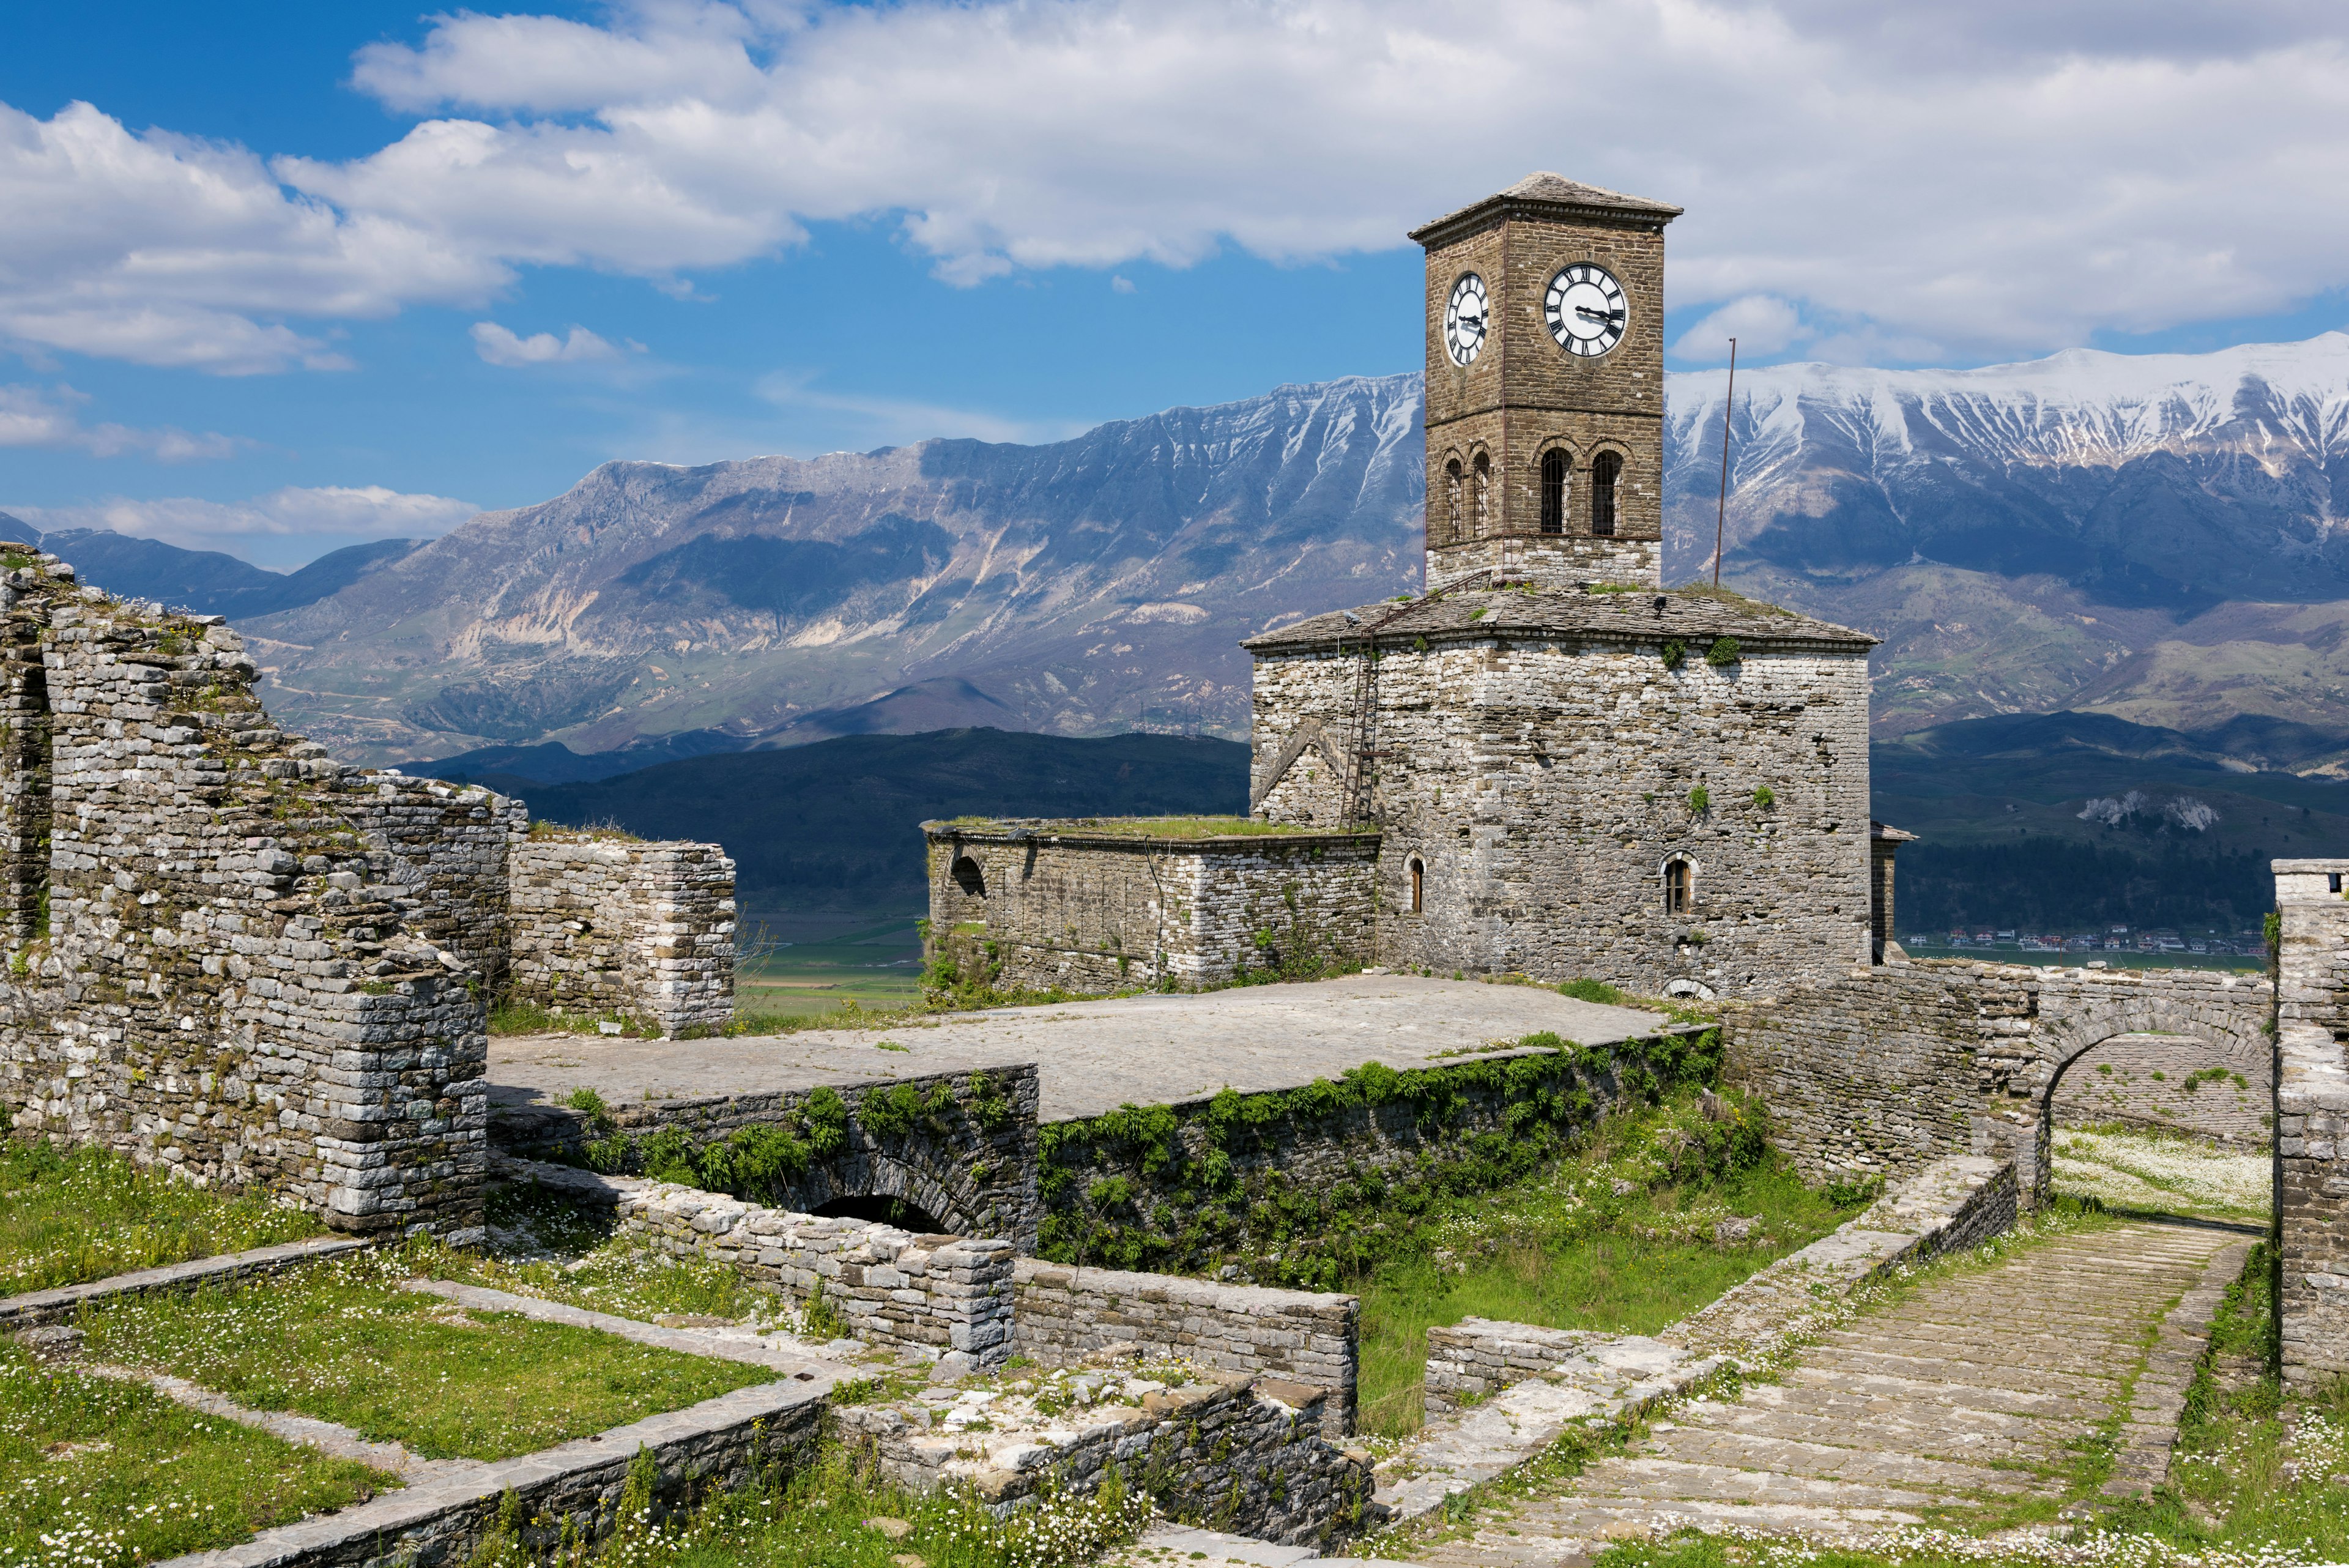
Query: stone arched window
[(1606, 475), (1452, 498), (1555, 469), (1483, 495), (1418, 885), (1680, 885), (968, 876)]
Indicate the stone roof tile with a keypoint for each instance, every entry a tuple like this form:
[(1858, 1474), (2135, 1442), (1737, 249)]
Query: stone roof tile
[(1545, 188), (1695, 618)]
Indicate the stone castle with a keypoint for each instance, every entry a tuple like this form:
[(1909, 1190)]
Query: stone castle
[(1545, 762)]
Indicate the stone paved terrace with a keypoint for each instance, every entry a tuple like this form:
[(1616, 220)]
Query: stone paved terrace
[(1950, 1399), (1093, 1057)]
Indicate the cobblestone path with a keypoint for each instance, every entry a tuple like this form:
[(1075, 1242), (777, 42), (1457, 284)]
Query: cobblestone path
[(1950, 1397)]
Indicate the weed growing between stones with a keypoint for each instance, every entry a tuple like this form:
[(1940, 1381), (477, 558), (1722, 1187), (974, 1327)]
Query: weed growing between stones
[(100, 1473), (513, 1017), (66, 1218), (339, 1341)]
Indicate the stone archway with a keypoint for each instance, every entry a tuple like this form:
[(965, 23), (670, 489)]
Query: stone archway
[(2170, 1082), (869, 1178)]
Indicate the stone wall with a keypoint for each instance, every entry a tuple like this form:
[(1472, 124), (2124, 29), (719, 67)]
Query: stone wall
[(1540, 780), (1879, 1071), (1065, 1314), (1241, 1455), (642, 932), (224, 952), (2180, 1082), (940, 1292), (959, 1146), (1090, 907), (2312, 1111)]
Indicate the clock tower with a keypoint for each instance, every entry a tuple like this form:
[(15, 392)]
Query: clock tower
[(1546, 387)]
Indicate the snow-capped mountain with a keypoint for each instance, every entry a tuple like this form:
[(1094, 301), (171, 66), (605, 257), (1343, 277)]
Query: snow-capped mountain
[(2152, 535)]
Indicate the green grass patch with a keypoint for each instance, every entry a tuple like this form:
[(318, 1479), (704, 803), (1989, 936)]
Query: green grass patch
[(1565, 1251), (338, 1340), (540, 1245), (512, 1017), (99, 1472), (67, 1219)]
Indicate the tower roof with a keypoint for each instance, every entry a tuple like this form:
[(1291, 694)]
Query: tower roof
[(1544, 195)]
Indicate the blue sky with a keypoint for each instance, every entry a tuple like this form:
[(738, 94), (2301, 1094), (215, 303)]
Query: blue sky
[(283, 285)]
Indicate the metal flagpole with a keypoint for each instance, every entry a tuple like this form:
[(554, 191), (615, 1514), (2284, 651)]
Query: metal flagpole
[(1721, 512)]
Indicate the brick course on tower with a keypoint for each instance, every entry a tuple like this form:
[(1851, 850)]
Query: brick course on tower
[(1523, 395)]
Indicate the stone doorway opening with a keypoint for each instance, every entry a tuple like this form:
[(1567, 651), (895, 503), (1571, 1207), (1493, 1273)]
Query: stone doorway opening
[(881, 1209)]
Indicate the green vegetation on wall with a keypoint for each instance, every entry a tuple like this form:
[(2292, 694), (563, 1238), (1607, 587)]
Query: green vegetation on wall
[(1180, 1190)]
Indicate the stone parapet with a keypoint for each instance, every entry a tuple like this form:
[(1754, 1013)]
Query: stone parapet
[(939, 1294), (1066, 1314)]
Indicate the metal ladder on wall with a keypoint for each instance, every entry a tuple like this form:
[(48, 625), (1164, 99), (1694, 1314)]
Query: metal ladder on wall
[(1362, 751)]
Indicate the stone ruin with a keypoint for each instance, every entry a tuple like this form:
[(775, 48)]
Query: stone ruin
[(226, 952)]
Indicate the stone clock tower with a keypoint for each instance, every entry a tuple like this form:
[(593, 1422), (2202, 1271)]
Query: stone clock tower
[(1546, 387)]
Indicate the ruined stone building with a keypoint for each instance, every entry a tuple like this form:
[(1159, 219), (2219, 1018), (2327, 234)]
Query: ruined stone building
[(228, 953), (1544, 764)]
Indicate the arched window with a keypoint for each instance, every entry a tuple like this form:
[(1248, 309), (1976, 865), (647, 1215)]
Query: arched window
[(967, 875), (1418, 885), (1484, 496), (1553, 491), (1680, 886), (1606, 469), (1451, 488)]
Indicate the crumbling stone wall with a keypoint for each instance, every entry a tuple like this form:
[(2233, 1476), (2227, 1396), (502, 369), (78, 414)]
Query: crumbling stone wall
[(1534, 780), (1065, 1314), (1036, 905), (2312, 1112), (220, 950), (608, 925), (1879, 1070)]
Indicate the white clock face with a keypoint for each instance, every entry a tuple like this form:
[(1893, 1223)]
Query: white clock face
[(1586, 309), (1463, 319)]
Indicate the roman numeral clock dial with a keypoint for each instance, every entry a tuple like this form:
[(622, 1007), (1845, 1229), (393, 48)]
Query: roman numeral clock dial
[(1587, 310), (1463, 319)]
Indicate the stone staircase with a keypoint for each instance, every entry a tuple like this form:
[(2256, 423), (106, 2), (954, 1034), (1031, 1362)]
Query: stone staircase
[(1970, 1392)]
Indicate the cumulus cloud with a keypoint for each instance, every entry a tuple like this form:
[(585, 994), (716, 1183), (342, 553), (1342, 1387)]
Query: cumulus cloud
[(1761, 324), (2001, 176), (325, 515), (37, 416), (501, 347)]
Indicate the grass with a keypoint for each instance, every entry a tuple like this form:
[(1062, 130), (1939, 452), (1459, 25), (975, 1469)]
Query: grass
[(1568, 1250), (838, 1513), (338, 1340), (67, 1219), (96, 1471), (538, 1245)]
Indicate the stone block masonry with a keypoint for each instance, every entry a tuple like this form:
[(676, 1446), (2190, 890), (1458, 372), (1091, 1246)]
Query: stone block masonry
[(605, 925), (225, 952), (2312, 1112), (2179, 1082), (1879, 1071), (1064, 1315), (940, 1294), (1093, 906)]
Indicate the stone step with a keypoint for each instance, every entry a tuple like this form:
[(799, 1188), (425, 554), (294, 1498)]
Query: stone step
[(1655, 1478), (1956, 1369), (1872, 1466), (1862, 1427), (2086, 1409)]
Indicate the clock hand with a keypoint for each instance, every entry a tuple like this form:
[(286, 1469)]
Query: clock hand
[(1589, 315)]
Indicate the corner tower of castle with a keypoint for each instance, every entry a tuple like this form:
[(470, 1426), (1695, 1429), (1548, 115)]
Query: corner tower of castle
[(1544, 387)]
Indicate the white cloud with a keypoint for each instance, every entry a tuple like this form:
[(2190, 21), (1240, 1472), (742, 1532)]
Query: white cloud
[(320, 518), (897, 422), (1978, 180), (1761, 324), (501, 347), (1121, 284), (31, 417)]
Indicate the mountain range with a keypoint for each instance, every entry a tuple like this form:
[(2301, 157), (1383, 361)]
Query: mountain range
[(2151, 537)]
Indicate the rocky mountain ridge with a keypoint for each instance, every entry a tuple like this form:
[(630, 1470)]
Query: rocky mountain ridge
[(2151, 537)]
